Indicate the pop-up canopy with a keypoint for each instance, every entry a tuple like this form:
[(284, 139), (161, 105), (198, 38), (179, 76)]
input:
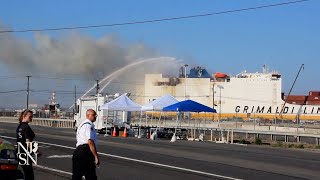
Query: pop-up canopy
[(122, 103), (158, 104), (189, 106)]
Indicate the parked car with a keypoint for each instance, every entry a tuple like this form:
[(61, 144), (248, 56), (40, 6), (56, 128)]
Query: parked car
[(8, 161)]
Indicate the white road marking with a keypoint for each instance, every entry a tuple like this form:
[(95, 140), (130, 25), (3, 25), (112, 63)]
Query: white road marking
[(54, 170), (43, 146), (142, 161), (60, 156)]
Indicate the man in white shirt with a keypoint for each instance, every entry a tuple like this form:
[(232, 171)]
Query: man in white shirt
[(85, 157)]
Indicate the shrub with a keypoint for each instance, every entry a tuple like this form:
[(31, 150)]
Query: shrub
[(242, 141), (317, 146), (258, 141)]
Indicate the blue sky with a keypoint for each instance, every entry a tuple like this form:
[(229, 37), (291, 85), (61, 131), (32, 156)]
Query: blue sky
[(282, 37)]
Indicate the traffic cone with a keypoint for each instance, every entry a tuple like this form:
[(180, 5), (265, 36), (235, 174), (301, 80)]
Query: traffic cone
[(125, 133), (114, 133)]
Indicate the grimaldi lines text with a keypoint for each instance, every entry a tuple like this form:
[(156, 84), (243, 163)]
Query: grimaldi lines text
[(276, 110)]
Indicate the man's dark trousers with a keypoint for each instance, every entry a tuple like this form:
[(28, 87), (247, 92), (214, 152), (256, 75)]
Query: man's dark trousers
[(83, 163)]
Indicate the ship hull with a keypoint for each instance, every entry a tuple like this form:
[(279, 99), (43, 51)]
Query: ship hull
[(247, 95)]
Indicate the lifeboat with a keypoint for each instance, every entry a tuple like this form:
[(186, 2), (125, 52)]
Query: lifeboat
[(220, 75)]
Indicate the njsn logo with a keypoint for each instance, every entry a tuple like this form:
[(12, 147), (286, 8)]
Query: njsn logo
[(29, 154)]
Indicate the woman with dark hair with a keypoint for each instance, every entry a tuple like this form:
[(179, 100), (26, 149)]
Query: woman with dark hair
[(25, 135)]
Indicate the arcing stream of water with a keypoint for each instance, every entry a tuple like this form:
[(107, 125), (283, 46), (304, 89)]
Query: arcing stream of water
[(119, 71)]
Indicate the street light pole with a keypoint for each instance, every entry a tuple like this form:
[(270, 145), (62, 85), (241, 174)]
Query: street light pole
[(28, 90), (213, 100), (75, 100), (185, 81), (220, 87), (185, 85), (97, 87), (220, 103), (236, 120)]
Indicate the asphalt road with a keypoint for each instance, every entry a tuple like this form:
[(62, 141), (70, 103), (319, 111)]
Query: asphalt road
[(132, 158)]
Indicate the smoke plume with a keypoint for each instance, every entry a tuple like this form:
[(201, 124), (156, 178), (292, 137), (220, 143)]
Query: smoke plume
[(73, 54)]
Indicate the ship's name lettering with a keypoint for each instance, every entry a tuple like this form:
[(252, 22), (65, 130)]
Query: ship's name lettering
[(277, 109)]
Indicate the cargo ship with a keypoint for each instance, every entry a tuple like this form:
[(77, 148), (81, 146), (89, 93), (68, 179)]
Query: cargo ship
[(246, 95)]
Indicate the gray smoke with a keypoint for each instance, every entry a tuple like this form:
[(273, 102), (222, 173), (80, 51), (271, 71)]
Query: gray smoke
[(72, 54)]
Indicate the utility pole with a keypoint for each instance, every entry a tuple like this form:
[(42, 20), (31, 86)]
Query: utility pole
[(220, 105), (75, 99), (213, 100), (28, 90), (97, 86), (213, 96), (185, 81), (220, 87), (220, 101)]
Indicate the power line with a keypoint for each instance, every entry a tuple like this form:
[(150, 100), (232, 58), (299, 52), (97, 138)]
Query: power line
[(57, 92), (12, 91), (62, 78), (10, 77), (73, 79), (153, 20)]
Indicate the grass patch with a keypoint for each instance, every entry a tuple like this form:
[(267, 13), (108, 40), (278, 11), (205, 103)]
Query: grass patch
[(317, 146), (278, 144), (290, 145), (300, 146)]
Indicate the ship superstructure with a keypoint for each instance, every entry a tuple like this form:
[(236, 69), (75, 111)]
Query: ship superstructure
[(245, 95)]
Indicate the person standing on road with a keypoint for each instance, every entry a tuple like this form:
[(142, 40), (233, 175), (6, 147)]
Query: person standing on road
[(25, 136), (85, 157)]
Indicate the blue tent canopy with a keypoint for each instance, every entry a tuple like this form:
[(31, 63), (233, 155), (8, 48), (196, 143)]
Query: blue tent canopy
[(189, 106)]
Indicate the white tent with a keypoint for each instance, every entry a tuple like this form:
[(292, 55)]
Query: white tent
[(160, 103), (122, 103)]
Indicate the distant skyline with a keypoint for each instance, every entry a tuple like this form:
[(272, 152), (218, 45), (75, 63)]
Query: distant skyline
[(281, 37)]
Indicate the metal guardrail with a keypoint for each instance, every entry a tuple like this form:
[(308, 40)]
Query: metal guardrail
[(250, 131), (257, 133), (58, 123), (274, 133), (270, 130), (67, 123), (239, 126)]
